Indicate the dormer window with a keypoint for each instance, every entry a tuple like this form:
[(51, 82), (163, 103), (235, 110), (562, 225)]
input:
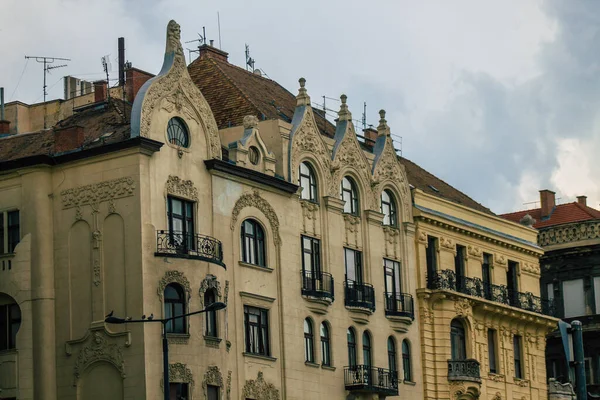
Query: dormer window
[(253, 155), (388, 209), (177, 133), (349, 195), (308, 183)]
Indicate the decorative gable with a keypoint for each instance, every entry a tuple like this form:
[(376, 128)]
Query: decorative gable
[(250, 151), (387, 168), (172, 93)]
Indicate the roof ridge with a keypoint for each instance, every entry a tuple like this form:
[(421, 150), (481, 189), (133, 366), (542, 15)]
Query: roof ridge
[(586, 209), (520, 211)]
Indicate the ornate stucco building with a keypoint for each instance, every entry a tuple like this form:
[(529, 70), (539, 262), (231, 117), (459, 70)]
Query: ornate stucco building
[(217, 184)]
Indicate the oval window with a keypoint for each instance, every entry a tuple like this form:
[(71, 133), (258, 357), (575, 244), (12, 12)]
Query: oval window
[(177, 133)]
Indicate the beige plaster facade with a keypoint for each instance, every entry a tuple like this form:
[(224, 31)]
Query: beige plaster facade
[(91, 244)]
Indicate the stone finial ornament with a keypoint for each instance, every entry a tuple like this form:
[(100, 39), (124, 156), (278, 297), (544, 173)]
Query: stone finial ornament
[(527, 220), (303, 99), (250, 122), (344, 114), (383, 129), (173, 38)]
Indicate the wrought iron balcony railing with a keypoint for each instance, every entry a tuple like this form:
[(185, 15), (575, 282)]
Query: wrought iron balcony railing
[(317, 284), (178, 244), (360, 295), (463, 370), (365, 378), (399, 304), (447, 280)]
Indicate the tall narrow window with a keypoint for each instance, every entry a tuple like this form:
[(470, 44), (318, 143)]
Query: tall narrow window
[(212, 392), (311, 257), (459, 267), (175, 305), (307, 182), (256, 327), (367, 359), (309, 351), (325, 345), (351, 347), (393, 288), (512, 284), (354, 273), (388, 208), (178, 391), (406, 365), (180, 214), (349, 194), (10, 321), (487, 275), (458, 345), (253, 243), (391, 347), (10, 234), (211, 316), (431, 257), (517, 356), (491, 336)]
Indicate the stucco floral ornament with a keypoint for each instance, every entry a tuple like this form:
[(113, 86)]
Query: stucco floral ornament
[(258, 389), (98, 350), (253, 199)]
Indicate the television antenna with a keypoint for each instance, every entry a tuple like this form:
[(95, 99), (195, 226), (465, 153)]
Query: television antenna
[(249, 60), (107, 66), (201, 40), (47, 68)]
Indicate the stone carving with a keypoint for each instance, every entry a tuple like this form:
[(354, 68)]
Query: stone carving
[(253, 199), (78, 214), (98, 350), (228, 385), (112, 209), (173, 277), (226, 292), (96, 272), (463, 307), (500, 259), (522, 382), (352, 224), (497, 396), (560, 391), (532, 268), (426, 315), (391, 237), (179, 372), (182, 188), (258, 389), (97, 192), (569, 233), (210, 282), (447, 243), (496, 377), (474, 251), (422, 236), (527, 220), (178, 102), (309, 210), (212, 377), (250, 122)]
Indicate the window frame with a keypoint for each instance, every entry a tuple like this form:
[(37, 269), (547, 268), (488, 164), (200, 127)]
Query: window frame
[(314, 254), (393, 269), (212, 326), (357, 267), (261, 328), (354, 204), (174, 126), (10, 323), (431, 258), (10, 231), (351, 345), (458, 337), (187, 235), (256, 254), (312, 191), (208, 392), (309, 341), (406, 361), (367, 349), (492, 340), (392, 354), (325, 344), (182, 390), (486, 275), (390, 204), (518, 356), (170, 309)]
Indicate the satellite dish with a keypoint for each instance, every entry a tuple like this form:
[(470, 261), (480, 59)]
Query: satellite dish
[(257, 72)]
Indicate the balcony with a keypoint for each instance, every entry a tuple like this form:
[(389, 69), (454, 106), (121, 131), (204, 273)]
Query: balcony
[(464, 370), (364, 378), (447, 280), (399, 305), (192, 246), (359, 295), (317, 285)]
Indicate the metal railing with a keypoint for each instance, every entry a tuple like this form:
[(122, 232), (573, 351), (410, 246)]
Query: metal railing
[(178, 244), (365, 378), (317, 284), (399, 304), (360, 295), (463, 370), (447, 280)]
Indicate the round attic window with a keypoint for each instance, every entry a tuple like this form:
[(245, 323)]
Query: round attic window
[(253, 155), (177, 133)]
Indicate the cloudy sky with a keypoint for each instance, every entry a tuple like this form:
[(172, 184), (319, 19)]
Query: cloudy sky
[(498, 98)]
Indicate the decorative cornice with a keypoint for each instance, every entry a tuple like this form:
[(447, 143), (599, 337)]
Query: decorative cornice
[(569, 233), (98, 192), (220, 166)]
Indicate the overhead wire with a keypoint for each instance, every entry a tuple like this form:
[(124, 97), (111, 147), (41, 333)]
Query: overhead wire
[(21, 77)]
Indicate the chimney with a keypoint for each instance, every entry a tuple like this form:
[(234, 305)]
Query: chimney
[(4, 127), (207, 51), (370, 135), (4, 124), (121, 43), (134, 80), (548, 202), (582, 200), (69, 138), (100, 89)]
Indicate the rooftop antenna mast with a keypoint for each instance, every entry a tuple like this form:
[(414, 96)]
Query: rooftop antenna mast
[(249, 60), (364, 116), (107, 67), (47, 68), (219, 25), (201, 40)]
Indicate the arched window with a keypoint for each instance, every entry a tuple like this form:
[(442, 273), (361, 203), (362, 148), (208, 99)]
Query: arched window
[(351, 347), (253, 243), (388, 208), (10, 322), (458, 340), (325, 345), (307, 182), (309, 350), (349, 194), (211, 316), (406, 361), (367, 349), (392, 362), (177, 132), (175, 305)]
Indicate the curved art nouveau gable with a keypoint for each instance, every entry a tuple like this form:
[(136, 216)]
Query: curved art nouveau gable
[(173, 91)]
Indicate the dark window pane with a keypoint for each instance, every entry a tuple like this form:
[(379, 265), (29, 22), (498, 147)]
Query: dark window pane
[(406, 366), (253, 244), (13, 230), (517, 356), (213, 392)]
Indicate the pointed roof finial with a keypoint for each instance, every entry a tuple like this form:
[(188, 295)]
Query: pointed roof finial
[(383, 128), (303, 99), (344, 114)]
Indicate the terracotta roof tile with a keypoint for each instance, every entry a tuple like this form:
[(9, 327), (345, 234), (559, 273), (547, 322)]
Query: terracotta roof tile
[(562, 214)]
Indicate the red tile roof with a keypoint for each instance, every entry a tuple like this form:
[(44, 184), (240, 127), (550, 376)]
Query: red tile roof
[(562, 214)]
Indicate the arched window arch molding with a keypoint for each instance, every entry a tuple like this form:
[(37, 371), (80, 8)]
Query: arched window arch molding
[(173, 276), (213, 377), (208, 283), (468, 326), (393, 188), (363, 188), (253, 199), (322, 175)]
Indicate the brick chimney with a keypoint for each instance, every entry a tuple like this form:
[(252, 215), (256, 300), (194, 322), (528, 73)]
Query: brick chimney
[(4, 126), (208, 51), (548, 202), (582, 200), (370, 135), (134, 80), (100, 91), (69, 138)]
